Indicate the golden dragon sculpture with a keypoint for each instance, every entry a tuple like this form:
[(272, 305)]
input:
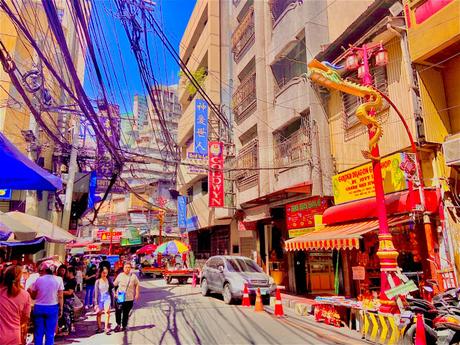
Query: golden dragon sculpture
[(326, 75)]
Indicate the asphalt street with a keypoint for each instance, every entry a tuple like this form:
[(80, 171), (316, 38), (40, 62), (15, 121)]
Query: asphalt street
[(178, 314)]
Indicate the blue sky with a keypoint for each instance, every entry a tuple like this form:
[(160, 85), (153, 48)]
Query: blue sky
[(174, 14)]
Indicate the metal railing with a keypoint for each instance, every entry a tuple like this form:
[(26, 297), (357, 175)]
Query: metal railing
[(244, 98), (245, 164), (293, 150), (243, 36)]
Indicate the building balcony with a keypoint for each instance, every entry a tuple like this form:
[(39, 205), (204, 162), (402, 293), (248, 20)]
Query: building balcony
[(245, 165), (433, 26), (244, 99), (294, 150), (243, 36)]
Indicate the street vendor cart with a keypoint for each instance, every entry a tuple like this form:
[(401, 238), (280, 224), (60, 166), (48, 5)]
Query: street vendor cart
[(182, 275), (155, 272)]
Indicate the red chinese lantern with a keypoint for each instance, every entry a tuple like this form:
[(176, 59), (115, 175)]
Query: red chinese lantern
[(381, 57), (351, 61)]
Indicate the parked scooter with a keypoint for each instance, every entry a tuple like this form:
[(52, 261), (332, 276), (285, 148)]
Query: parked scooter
[(441, 318)]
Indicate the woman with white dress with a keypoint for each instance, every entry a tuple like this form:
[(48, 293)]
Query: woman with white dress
[(103, 296)]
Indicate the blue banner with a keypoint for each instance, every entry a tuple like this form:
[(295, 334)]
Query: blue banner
[(192, 223), (200, 136), (182, 211), (5, 194), (92, 190)]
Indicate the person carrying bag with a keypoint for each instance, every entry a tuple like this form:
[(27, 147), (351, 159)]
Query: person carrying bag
[(127, 285)]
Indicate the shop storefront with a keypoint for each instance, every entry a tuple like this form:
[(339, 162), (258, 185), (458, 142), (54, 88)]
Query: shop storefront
[(336, 252), (210, 241)]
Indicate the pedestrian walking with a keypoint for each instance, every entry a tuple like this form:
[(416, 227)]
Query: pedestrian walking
[(49, 299), (127, 286), (15, 307), (103, 297), (104, 263), (90, 280), (67, 319), (79, 278)]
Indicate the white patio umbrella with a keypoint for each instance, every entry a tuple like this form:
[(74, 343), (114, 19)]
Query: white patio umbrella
[(43, 227), (20, 231)]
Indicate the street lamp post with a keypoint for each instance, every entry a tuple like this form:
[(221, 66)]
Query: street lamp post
[(387, 253)]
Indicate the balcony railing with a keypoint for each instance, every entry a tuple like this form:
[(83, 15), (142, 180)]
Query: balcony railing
[(244, 99), (243, 36), (278, 7), (245, 165), (293, 150)]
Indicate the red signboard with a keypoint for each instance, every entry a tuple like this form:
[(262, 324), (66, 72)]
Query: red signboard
[(300, 214), (110, 236), (216, 174), (93, 247), (247, 226)]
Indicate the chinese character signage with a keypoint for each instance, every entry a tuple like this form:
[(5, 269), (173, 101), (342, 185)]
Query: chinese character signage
[(110, 236), (301, 214), (201, 127), (216, 174), (182, 211), (197, 163), (358, 183), (192, 223)]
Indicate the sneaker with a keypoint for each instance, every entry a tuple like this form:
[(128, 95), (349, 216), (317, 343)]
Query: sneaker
[(108, 331), (117, 329), (99, 330), (124, 329)]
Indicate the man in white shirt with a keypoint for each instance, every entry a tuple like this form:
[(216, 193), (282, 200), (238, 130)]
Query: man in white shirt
[(49, 299)]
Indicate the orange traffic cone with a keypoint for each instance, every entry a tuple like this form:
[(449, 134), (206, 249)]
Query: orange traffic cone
[(258, 306), (420, 338), (278, 305), (246, 302)]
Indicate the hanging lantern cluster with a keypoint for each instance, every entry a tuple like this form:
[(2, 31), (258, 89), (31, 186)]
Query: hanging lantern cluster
[(353, 60)]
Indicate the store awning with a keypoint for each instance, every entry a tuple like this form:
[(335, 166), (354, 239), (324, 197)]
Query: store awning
[(20, 173), (344, 236), (396, 203)]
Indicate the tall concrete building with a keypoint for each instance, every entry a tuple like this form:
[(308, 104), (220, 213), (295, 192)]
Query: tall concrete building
[(283, 161), (16, 121), (203, 48)]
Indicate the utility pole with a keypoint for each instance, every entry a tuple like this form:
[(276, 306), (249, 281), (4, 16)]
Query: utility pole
[(71, 175)]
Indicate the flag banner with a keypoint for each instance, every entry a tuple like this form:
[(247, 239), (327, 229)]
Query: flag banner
[(182, 211), (200, 136), (216, 174)]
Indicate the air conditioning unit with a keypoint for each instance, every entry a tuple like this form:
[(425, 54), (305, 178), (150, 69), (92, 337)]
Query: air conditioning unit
[(451, 149)]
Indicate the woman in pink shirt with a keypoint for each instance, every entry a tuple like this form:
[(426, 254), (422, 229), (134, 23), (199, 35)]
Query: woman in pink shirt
[(14, 308)]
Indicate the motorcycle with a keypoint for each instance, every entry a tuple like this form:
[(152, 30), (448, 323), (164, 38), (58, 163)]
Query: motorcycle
[(441, 318)]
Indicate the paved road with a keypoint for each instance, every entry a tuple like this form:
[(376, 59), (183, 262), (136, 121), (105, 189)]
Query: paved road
[(178, 314)]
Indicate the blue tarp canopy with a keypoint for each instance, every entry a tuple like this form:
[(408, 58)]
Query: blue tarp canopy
[(19, 172)]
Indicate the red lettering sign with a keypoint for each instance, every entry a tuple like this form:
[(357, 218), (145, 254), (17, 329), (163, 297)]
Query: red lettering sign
[(216, 174), (300, 214)]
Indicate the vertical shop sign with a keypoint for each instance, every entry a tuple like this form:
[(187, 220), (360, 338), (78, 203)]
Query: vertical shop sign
[(182, 211), (216, 174), (201, 127)]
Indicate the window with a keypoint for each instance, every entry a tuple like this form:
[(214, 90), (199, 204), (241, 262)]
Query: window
[(350, 103), (242, 265), (204, 186), (190, 195), (292, 65)]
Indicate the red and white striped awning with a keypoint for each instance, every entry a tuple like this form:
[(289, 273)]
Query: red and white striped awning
[(344, 236)]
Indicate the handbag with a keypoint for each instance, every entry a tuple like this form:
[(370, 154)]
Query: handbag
[(121, 295)]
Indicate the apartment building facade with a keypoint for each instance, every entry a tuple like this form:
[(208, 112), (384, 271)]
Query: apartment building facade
[(433, 29), (281, 136), (203, 49), (16, 121)]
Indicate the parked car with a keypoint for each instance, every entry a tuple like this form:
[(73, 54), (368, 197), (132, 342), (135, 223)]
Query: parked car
[(228, 274)]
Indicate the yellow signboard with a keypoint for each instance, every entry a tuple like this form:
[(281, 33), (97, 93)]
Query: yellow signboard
[(358, 183), (299, 232)]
